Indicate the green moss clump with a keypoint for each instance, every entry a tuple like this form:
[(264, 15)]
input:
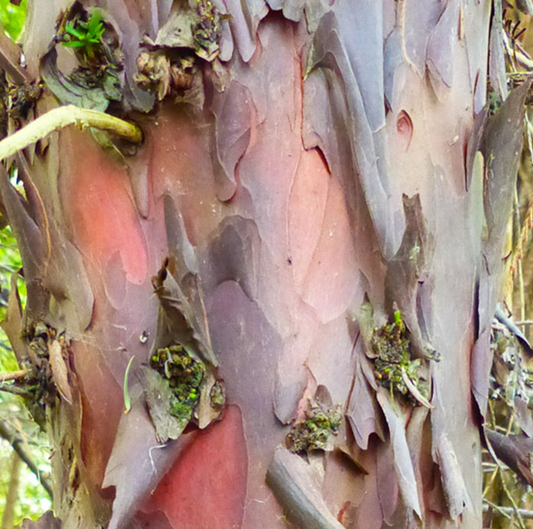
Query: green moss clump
[(315, 431), (181, 410), (394, 363), (185, 375)]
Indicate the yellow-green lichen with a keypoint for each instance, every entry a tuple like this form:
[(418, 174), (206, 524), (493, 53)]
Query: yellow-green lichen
[(184, 374), (314, 433)]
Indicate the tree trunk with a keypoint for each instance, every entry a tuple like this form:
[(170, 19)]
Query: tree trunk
[(314, 222)]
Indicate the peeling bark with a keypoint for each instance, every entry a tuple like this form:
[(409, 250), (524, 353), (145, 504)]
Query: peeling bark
[(333, 158)]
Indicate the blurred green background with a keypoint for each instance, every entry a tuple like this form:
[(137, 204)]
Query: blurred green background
[(28, 497), (12, 17)]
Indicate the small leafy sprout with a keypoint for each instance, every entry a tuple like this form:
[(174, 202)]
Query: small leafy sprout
[(394, 367), (97, 81), (85, 36), (398, 322), (314, 433)]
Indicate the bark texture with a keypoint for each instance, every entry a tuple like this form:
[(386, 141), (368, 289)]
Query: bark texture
[(344, 164)]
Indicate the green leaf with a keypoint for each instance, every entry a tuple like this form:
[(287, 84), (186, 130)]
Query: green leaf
[(74, 44), (69, 28), (95, 23), (127, 399)]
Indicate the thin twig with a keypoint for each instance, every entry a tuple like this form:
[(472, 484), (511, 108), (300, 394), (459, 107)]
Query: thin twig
[(504, 486), (519, 254), (507, 511), (15, 390), (498, 509), (2, 344), (13, 375), (16, 442), (61, 117), (491, 479)]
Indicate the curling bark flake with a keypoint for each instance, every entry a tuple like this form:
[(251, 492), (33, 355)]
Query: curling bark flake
[(314, 168)]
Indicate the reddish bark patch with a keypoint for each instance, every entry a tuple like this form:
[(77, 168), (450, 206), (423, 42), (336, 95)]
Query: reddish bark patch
[(206, 487), (102, 210), (101, 410)]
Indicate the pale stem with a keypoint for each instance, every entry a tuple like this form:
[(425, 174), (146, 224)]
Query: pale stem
[(62, 117)]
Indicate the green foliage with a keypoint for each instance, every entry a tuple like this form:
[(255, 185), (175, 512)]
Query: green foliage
[(10, 263), (85, 36), (12, 17), (97, 81)]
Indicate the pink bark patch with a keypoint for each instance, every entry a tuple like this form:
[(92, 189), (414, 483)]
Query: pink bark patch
[(206, 487), (102, 210)]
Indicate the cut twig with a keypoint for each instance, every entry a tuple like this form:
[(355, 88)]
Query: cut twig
[(13, 375), (63, 117)]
